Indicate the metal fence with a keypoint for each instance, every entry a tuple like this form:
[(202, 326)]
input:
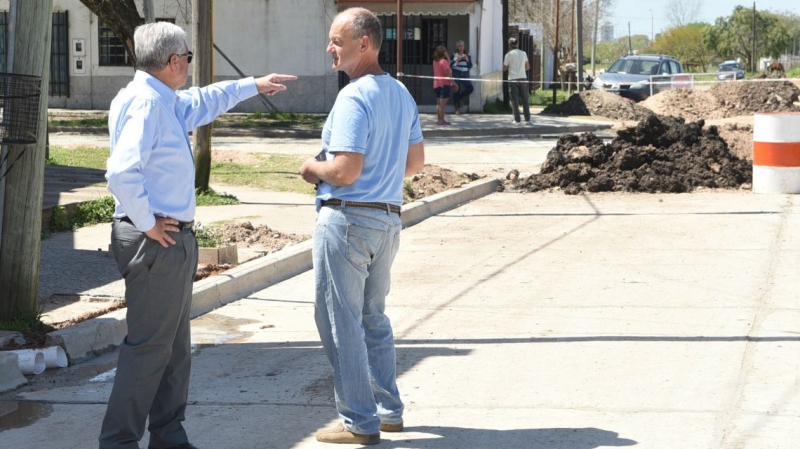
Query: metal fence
[(19, 108), (696, 81)]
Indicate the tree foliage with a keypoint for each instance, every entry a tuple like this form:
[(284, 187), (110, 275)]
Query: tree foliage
[(121, 16), (686, 44), (608, 52), (682, 12), (543, 13), (732, 37)]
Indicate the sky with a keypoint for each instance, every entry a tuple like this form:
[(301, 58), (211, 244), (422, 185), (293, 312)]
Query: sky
[(650, 15)]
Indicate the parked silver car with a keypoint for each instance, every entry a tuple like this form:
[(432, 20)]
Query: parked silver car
[(730, 70), (629, 76)]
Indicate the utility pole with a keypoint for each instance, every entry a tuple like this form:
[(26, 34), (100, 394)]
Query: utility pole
[(594, 38), (503, 50), (579, 18), (754, 63), (149, 14), (29, 42), (399, 37), (555, 55), (202, 75)]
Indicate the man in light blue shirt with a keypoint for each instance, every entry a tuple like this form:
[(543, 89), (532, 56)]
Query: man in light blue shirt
[(371, 140), (151, 175)]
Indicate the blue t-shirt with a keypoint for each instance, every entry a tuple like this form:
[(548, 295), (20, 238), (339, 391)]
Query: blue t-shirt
[(375, 116)]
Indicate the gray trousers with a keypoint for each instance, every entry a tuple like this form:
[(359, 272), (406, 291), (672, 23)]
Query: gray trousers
[(518, 93), (152, 378)]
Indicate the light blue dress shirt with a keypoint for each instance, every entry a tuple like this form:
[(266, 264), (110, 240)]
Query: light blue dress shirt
[(151, 169)]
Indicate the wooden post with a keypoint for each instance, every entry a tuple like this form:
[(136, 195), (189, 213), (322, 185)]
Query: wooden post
[(149, 14), (555, 54), (399, 37), (202, 75), (579, 46), (24, 189), (504, 49)]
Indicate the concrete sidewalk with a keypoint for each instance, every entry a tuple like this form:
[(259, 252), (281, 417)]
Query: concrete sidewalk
[(522, 321), (78, 278)]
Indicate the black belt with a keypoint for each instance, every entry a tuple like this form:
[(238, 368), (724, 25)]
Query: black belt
[(381, 206), (182, 225)]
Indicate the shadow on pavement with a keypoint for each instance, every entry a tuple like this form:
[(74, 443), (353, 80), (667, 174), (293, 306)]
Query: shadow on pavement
[(547, 438)]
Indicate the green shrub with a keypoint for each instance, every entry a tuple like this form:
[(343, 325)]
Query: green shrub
[(89, 213), (206, 237), (212, 198)]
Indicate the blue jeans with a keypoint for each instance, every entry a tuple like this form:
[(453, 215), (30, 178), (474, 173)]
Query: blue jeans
[(353, 252), (465, 87)]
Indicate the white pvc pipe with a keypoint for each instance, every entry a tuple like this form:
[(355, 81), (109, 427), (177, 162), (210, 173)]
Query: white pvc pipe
[(30, 361), (55, 357)]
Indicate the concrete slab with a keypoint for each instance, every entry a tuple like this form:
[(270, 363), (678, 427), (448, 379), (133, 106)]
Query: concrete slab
[(99, 335), (522, 320), (10, 376)]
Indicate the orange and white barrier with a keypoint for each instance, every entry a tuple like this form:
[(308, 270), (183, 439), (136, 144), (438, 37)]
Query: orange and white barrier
[(776, 153)]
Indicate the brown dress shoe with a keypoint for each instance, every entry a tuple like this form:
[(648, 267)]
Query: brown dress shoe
[(338, 434), (392, 427)]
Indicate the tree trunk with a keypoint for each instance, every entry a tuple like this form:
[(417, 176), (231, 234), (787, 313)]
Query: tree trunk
[(24, 189), (119, 15), (202, 75)]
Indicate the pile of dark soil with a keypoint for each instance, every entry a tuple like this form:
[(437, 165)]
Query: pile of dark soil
[(659, 154), (602, 103)]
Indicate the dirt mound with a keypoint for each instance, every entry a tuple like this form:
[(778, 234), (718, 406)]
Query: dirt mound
[(690, 104), (602, 103), (742, 98), (729, 99), (247, 235), (433, 179), (660, 154)]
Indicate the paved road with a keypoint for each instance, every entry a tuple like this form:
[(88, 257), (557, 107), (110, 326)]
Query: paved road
[(523, 321)]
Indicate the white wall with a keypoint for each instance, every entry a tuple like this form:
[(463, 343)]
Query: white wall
[(492, 50), (259, 36)]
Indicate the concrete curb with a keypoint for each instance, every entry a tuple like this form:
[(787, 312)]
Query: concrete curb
[(99, 335), (91, 338), (292, 133), (250, 277), (10, 376)]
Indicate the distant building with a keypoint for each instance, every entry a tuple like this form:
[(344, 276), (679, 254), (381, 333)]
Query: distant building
[(607, 32)]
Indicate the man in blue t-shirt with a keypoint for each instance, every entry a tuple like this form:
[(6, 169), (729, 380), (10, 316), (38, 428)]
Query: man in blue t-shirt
[(371, 140)]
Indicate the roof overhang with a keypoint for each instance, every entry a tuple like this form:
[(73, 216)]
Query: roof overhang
[(414, 8)]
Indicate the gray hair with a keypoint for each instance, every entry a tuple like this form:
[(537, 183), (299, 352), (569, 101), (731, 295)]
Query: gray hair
[(155, 43), (459, 42), (364, 22)]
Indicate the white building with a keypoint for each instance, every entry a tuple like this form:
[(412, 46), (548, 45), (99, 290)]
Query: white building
[(89, 64)]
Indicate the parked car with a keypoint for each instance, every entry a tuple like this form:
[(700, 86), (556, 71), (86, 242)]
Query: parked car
[(730, 70), (629, 76)]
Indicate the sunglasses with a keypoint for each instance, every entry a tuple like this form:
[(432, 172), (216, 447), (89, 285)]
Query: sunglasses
[(180, 55)]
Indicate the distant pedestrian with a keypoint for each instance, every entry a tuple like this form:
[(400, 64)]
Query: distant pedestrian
[(516, 64), (151, 174), (461, 63), (371, 140), (442, 82)]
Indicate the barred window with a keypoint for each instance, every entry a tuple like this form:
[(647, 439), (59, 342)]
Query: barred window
[(3, 39), (112, 50), (59, 55)]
